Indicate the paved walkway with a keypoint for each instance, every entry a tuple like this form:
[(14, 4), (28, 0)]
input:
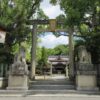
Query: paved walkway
[(35, 96), (52, 97)]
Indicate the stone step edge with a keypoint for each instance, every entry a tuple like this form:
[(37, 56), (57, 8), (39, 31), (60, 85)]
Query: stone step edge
[(51, 85), (33, 92)]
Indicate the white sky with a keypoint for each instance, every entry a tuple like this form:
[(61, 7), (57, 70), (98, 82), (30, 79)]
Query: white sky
[(50, 41), (50, 10)]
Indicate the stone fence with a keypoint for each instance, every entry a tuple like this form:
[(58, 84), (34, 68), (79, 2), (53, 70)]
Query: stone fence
[(4, 68)]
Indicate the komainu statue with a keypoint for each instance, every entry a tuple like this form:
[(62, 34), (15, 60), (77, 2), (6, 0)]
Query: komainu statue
[(83, 55), (19, 67), (85, 71), (18, 74)]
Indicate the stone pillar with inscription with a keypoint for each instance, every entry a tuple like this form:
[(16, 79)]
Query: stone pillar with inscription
[(85, 71), (18, 74)]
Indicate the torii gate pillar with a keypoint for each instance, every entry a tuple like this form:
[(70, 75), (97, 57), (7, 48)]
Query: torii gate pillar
[(71, 54), (33, 52)]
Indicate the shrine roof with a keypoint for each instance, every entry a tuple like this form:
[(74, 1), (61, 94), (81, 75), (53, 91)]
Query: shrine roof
[(59, 58)]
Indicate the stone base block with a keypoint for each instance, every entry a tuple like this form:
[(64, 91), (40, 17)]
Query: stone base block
[(88, 88), (86, 82), (18, 83), (17, 88)]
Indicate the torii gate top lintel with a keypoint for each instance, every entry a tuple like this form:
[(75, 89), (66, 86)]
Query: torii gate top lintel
[(51, 22), (44, 21)]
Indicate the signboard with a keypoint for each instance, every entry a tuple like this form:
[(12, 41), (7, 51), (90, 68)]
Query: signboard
[(2, 36), (52, 25)]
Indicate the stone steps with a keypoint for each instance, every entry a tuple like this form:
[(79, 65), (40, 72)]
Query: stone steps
[(55, 92), (52, 82), (45, 92), (52, 87)]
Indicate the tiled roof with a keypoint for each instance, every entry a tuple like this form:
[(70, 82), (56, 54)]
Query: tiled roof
[(58, 59)]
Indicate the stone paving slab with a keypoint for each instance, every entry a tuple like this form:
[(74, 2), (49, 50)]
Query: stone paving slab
[(43, 92), (52, 97)]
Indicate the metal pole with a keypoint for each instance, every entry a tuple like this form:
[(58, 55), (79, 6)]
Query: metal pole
[(33, 55)]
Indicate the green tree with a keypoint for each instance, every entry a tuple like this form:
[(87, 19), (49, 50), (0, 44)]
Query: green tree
[(84, 17), (43, 54), (61, 50), (58, 50), (42, 62), (14, 15)]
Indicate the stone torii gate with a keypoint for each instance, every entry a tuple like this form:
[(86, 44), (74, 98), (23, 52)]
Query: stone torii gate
[(52, 23)]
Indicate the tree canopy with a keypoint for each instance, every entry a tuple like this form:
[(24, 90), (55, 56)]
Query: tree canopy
[(83, 17), (43, 53), (14, 15)]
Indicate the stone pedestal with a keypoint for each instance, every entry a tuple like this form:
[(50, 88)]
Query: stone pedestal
[(86, 77), (18, 82), (86, 74), (86, 82), (18, 74)]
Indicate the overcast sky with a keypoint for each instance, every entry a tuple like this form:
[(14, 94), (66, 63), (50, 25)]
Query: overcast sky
[(49, 40), (50, 10)]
